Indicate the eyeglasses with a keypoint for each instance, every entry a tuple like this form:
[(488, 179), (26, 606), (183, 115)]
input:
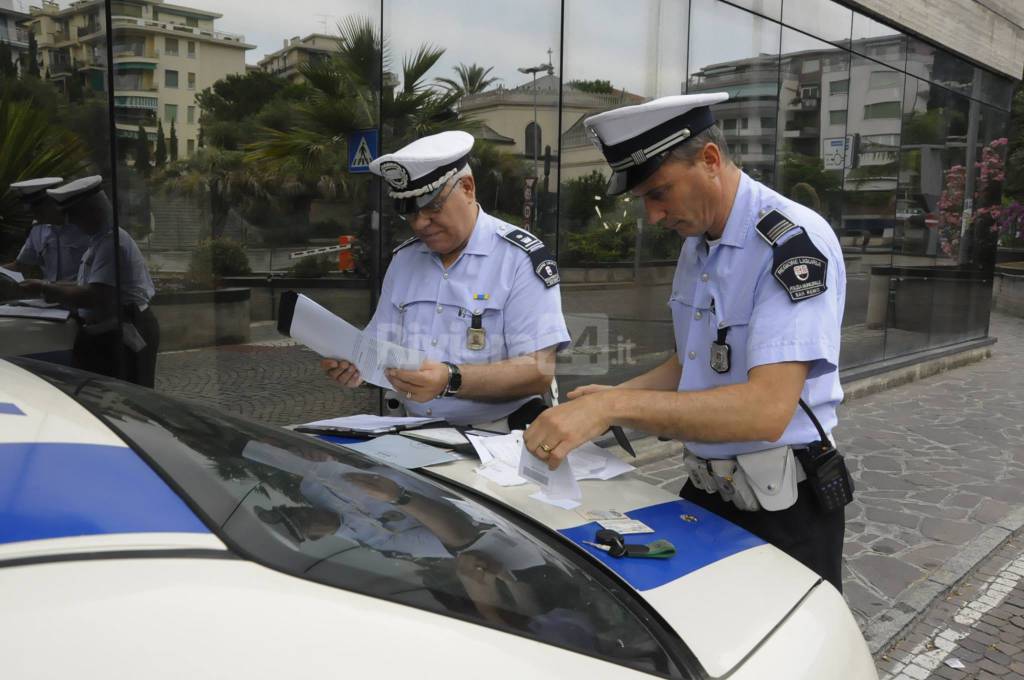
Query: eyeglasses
[(432, 208)]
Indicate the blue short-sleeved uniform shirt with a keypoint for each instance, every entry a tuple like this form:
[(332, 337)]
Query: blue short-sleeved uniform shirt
[(426, 307), (98, 267), (730, 284), (57, 250)]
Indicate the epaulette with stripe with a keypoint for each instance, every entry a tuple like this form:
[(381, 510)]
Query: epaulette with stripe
[(543, 262), (797, 263), (407, 242)]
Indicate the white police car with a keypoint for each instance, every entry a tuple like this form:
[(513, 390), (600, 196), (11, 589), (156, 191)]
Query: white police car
[(143, 536)]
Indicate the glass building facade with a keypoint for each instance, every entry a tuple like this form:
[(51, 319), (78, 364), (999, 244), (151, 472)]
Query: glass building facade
[(231, 145)]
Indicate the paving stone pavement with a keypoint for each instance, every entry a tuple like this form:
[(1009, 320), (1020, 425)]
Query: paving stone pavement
[(976, 631), (939, 470)]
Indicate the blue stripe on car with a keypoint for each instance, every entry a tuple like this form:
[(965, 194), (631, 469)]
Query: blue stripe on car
[(7, 409), (56, 490), (698, 543)]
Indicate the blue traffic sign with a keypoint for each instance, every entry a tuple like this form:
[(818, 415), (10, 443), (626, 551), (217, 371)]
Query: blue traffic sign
[(362, 149)]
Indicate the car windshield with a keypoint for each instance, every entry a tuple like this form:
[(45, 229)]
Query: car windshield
[(328, 514)]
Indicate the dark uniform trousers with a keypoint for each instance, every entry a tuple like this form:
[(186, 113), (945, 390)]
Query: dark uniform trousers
[(106, 354), (802, 530)]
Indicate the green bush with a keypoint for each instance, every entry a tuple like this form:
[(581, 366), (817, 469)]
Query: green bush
[(216, 258), (314, 266)]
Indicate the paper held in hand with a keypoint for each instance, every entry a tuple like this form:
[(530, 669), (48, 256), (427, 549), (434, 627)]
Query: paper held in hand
[(332, 337)]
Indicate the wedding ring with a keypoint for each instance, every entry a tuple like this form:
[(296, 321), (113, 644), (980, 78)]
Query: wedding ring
[(545, 448), (408, 395)]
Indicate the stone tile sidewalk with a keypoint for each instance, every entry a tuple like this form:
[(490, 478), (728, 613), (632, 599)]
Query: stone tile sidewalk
[(939, 467), (975, 631)]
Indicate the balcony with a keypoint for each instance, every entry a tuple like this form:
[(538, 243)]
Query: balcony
[(60, 68), (91, 29), (133, 22)]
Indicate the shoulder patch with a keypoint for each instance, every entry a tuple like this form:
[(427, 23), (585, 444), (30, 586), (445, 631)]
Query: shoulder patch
[(773, 226), (800, 267), (407, 242), (544, 265)]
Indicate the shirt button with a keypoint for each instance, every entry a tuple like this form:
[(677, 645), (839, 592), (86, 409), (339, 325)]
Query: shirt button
[(434, 342), (430, 411), (704, 277), (445, 276), (698, 316), (692, 355), (440, 309)]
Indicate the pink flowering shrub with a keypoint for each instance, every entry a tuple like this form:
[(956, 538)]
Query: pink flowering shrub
[(991, 173)]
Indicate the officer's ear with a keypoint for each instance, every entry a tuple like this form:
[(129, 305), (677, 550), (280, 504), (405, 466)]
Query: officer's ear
[(711, 157), (467, 184)]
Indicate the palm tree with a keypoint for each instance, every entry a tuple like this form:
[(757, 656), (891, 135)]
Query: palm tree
[(350, 91), (30, 146), (472, 79)]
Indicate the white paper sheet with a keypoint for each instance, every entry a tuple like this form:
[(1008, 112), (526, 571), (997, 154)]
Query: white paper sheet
[(499, 456), (557, 484), (564, 503), (403, 452), (35, 313), (443, 436), (370, 424), (17, 277), (590, 461), (332, 337)]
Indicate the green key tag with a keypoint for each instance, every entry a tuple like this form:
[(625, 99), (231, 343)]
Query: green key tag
[(659, 549)]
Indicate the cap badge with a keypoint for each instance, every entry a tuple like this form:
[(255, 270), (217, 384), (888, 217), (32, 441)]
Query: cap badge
[(394, 174)]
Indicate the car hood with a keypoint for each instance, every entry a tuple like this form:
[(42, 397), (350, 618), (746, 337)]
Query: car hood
[(723, 592)]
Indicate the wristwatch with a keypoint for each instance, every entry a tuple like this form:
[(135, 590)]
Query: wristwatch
[(454, 380)]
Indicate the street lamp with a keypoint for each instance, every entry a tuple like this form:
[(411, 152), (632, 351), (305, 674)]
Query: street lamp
[(534, 70)]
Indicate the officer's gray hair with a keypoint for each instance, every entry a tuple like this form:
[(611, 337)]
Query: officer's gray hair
[(687, 153)]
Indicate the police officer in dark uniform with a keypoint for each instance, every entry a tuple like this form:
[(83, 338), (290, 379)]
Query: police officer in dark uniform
[(757, 304)]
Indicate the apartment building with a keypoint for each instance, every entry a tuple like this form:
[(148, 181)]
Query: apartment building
[(163, 55), (11, 33), (297, 51)]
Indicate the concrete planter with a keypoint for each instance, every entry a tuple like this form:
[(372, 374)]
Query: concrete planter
[(937, 300), (1008, 289), (202, 318), (347, 297)]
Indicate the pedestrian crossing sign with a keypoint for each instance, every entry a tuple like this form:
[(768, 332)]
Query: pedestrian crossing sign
[(362, 149)]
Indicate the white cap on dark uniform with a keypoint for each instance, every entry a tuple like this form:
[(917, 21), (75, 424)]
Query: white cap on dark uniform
[(33, 190), (72, 192), (418, 171), (635, 140)]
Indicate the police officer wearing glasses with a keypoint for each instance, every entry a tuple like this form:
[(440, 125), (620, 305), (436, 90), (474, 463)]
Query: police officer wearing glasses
[(479, 297), (757, 303)]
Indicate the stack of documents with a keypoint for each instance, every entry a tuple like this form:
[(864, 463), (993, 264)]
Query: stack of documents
[(506, 462), (334, 338), (25, 312), (403, 452), (11, 274), (365, 425)]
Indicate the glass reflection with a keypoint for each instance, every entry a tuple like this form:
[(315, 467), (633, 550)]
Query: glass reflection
[(233, 132), (747, 67), (878, 41), (823, 19), (619, 322), (870, 179)]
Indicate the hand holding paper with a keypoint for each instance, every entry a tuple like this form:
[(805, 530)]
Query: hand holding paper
[(334, 338)]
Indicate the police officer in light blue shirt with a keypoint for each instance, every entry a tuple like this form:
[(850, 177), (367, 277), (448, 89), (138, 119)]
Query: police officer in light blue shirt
[(479, 297), (52, 245), (757, 305), (119, 335)]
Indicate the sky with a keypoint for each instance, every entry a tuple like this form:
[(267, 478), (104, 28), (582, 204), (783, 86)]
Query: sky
[(640, 45)]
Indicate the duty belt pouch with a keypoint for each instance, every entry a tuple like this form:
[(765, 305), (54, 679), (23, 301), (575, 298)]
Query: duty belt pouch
[(733, 485), (829, 479), (772, 476), (132, 338), (698, 473)]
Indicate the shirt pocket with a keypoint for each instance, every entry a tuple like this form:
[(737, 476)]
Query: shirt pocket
[(730, 317), (486, 344), (413, 312)]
